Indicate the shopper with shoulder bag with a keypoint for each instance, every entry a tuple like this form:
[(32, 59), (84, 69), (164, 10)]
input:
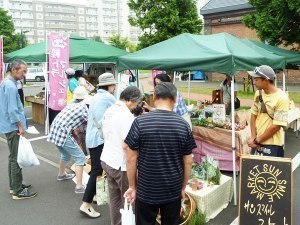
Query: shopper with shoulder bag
[(101, 101), (226, 94), (269, 114)]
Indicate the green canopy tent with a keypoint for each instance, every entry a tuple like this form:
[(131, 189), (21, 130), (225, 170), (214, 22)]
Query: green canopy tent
[(82, 50), (290, 56), (221, 53)]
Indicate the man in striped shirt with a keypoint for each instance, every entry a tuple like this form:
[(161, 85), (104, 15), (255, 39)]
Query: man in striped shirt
[(158, 150)]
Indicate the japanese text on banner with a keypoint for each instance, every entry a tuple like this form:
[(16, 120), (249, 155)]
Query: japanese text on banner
[(58, 63)]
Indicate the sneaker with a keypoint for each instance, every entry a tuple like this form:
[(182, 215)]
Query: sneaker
[(28, 186), (24, 194), (80, 190), (90, 212), (65, 177)]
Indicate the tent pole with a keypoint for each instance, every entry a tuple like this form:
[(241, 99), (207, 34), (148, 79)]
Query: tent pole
[(233, 140), (47, 87), (283, 81), (174, 78), (189, 89), (137, 79)]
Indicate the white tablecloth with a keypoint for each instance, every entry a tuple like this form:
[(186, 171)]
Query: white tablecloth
[(212, 200), (294, 119)]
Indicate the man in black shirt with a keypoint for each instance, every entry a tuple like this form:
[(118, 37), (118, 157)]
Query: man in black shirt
[(161, 144)]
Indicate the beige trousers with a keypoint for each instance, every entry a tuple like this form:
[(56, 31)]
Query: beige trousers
[(118, 185)]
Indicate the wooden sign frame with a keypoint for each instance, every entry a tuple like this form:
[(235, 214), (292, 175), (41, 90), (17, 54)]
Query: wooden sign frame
[(255, 189)]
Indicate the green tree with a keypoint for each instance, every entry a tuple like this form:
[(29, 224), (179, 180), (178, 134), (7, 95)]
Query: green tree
[(162, 19), (97, 38), (11, 40), (122, 43), (276, 21)]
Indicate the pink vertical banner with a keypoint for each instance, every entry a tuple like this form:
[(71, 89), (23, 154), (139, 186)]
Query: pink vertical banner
[(1, 58), (58, 62), (156, 72)]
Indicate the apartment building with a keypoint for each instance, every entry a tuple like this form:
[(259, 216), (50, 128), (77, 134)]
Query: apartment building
[(113, 19), (36, 18)]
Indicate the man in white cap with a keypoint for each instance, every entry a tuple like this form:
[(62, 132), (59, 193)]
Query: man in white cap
[(269, 114), (102, 100), (73, 83), (69, 119)]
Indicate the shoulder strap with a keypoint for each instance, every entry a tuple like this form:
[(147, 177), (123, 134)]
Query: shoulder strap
[(98, 126), (263, 105), (227, 90)]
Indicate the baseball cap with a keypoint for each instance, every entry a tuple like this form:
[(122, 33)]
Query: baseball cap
[(70, 71), (263, 71)]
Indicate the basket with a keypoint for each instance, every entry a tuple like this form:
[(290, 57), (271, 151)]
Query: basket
[(192, 204)]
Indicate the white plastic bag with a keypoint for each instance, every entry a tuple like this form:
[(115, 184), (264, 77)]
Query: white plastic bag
[(26, 156), (128, 217), (102, 190)]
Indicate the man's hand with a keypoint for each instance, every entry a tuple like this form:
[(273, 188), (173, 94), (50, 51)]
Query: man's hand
[(21, 131), (182, 194), (148, 107), (130, 194), (251, 143)]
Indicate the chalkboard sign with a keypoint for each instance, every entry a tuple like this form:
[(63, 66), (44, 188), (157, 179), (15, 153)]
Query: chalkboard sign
[(265, 194)]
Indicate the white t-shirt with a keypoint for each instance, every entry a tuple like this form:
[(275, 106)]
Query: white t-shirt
[(227, 92), (116, 123), (82, 81)]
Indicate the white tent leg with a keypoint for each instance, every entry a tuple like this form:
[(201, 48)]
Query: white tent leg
[(233, 141), (47, 90), (189, 89), (283, 81)]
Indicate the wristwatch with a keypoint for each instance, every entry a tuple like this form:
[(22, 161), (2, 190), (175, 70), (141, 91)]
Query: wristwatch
[(255, 141)]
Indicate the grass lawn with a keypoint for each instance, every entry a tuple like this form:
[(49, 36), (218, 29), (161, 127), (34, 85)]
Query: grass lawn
[(295, 96), (26, 104)]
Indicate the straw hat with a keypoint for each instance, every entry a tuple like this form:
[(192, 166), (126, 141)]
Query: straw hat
[(80, 93), (106, 79)]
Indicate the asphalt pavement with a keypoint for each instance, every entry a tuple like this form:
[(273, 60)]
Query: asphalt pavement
[(56, 203)]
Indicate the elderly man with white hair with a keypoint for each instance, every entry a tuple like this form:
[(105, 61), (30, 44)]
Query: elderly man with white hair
[(13, 125)]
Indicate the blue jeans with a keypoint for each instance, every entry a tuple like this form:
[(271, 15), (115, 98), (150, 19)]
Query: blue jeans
[(71, 148)]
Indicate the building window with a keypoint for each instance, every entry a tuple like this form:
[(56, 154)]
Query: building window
[(40, 32), (40, 24), (39, 8), (41, 40), (80, 10), (40, 16)]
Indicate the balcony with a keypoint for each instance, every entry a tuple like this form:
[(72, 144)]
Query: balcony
[(61, 26), (68, 18), (59, 10), (53, 18)]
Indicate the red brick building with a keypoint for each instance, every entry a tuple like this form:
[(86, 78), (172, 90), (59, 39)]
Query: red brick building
[(226, 16)]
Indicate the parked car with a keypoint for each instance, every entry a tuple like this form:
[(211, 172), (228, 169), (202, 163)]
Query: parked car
[(36, 74)]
